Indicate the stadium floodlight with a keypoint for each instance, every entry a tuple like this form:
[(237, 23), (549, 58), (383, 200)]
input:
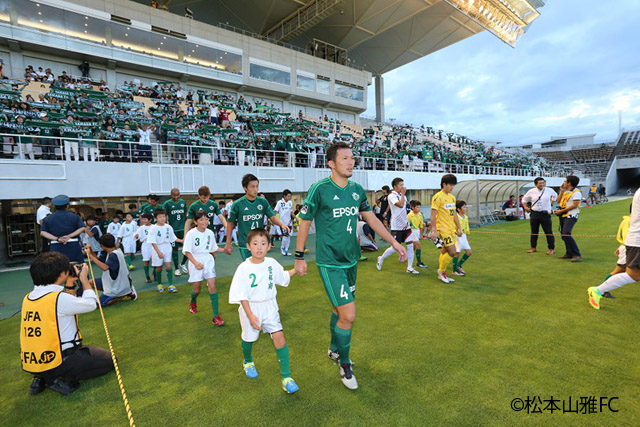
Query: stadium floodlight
[(499, 17)]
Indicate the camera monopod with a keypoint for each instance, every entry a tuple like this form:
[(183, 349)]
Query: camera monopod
[(113, 356)]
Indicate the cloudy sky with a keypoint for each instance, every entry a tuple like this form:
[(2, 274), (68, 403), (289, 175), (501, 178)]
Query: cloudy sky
[(578, 64)]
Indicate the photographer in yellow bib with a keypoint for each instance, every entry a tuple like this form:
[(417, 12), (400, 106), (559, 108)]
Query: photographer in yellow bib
[(50, 343)]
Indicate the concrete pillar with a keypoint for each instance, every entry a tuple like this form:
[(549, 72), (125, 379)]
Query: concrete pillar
[(379, 86)]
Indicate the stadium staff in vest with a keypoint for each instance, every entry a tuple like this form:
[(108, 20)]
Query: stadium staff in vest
[(62, 228), (569, 198), (115, 282), (538, 201), (50, 344)]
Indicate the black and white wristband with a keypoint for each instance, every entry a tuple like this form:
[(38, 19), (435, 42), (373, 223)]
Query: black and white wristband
[(299, 255)]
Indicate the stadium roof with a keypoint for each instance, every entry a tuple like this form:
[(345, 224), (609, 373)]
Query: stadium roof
[(378, 35)]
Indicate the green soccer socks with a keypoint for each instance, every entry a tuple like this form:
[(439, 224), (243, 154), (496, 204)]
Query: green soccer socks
[(343, 341)]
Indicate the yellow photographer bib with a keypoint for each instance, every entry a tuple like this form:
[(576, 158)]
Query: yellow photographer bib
[(40, 343)]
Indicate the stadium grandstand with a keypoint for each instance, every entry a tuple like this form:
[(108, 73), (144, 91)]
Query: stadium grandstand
[(183, 100)]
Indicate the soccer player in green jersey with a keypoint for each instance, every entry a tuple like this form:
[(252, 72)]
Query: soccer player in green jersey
[(334, 203), (150, 206), (249, 212), (204, 204), (176, 209)]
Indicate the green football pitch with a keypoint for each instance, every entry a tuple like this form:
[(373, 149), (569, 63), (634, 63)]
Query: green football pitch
[(518, 326)]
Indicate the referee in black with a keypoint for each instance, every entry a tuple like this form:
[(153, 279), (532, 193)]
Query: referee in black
[(538, 202)]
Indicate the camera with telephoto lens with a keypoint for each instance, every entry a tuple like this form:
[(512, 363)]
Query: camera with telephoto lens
[(76, 273)]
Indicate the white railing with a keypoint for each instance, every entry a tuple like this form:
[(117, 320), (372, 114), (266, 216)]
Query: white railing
[(71, 149)]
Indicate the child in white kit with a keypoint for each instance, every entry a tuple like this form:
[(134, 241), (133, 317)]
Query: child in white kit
[(141, 234), (253, 287), (161, 236), (126, 239), (200, 248), (114, 227)]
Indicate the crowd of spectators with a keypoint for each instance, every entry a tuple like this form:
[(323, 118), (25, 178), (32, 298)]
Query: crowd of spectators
[(134, 122)]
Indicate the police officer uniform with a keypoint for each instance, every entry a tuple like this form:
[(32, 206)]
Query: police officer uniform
[(62, 223)]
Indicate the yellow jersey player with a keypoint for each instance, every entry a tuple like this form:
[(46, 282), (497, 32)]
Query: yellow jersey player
[(462, 241), (416, 222), (445, 223)]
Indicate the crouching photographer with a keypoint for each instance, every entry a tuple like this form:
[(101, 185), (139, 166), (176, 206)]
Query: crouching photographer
[(115, 282), (50, 343)]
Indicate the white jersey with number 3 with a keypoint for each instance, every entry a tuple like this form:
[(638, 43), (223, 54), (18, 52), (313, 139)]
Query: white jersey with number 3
[(198, 243), (284, 210)]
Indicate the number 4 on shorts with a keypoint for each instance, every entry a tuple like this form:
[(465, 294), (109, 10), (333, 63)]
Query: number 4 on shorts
[(343, 293)]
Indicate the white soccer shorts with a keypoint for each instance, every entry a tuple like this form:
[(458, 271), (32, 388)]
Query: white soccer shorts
[(462, 243), (146, 251), (622, 255), (128, 245), (165, 249), (414, 236), (208, 272), (268, 316)]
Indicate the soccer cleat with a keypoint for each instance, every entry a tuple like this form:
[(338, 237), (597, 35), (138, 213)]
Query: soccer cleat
[(288, 385), (272, 246), (457, 273), (532, 250), (576, 259), (447, 277), (347, 377), (412, 271), (565, 256), (283, 253), (379, 263), (133, 294), (442, 277), (217, 321), (193, 307), (550, 252), (439, 243), (423, 265), (250, 369), (306, 251), (460, 270), (160, 288), (177, 273), (334, 355), (608, 295), (362, 258), (594, 297), (184, 268), (132, 267), (173, 289), (148, 280)]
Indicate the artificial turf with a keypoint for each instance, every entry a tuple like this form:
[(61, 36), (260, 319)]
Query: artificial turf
[(425, 353)]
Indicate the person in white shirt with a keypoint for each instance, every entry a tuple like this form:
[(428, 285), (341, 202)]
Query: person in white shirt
[(538, 202), (49, 326), (234, 233), (253, 288), (569, 199), (632, 249), (114, 227), (283, 209), (160, 237), (200, 248), (400, 229), (126, 239), (141, 235), (43, 211)]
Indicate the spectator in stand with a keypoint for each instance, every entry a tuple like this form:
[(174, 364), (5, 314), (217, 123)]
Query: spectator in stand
[(144, 143)]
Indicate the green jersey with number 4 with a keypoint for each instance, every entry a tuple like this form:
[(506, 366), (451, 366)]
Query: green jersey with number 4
[(249, 215), (335, 211), (176, 213), (211, 208)]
